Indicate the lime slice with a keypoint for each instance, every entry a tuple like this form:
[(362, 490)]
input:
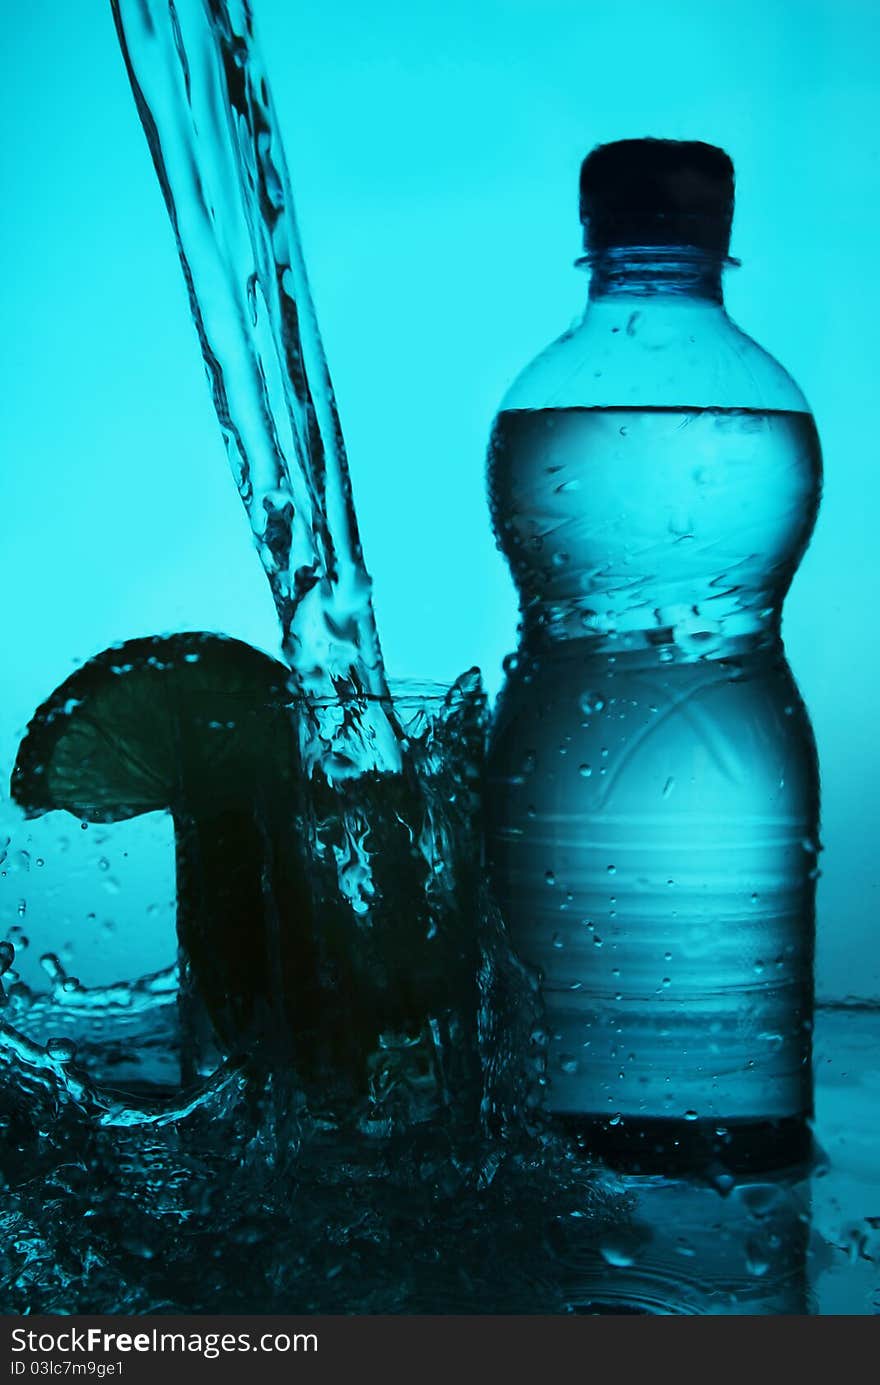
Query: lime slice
[(197, 724), (155, 723)]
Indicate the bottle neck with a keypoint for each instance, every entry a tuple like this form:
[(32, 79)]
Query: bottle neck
[(682, 271)]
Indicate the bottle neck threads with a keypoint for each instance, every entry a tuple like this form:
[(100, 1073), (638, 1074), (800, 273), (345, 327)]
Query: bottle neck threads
[(681, 270)]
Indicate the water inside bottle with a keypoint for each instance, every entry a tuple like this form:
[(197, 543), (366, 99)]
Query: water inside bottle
[(653, 793)]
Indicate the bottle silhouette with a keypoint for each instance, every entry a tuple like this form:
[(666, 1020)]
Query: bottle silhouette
[(652, 792)]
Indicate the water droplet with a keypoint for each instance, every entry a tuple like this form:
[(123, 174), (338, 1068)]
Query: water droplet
[(585, 771), (61, 1050), (550, 877), (612, 870), (617, 1254), (7, 956), (591, 703), (557, 941), (568, 1064), (668, 786), (757, 1260), (666, 981), (722, 1181), (690, 1116)]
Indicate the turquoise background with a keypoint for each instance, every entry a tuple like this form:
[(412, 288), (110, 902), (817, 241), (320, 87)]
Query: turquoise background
[(434, 151)]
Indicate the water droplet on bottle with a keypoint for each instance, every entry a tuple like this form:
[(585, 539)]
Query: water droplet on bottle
[(722, 1181), (612, 870), (591, 703), (668, 786), (585, 771), (691, 1116), (550, 877), (757, 1261), (7, 956)]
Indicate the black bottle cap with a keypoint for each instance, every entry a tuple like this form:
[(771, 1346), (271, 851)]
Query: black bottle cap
[(657, 192)]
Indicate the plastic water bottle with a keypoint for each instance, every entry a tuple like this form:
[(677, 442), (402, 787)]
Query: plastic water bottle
[(652, 801)]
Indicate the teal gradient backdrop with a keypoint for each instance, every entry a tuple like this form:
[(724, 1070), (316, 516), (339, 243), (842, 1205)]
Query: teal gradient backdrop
[(434, 151)]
